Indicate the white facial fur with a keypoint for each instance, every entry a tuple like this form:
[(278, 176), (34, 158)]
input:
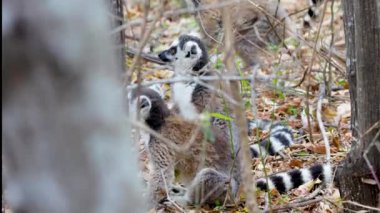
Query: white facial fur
[(182, 64)]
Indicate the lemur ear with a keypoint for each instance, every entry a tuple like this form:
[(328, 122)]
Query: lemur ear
[(193, 50)]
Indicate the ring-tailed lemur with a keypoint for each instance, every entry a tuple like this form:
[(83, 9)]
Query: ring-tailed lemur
[(200, 167), (188, 56), (312, 12), (253, 29), (204, 168)]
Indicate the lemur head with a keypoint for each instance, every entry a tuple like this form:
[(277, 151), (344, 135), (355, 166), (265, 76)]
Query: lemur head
[(153, 109), (187, 54)]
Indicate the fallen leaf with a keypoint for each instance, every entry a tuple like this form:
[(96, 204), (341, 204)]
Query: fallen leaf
[(295, 163), (317, 148)]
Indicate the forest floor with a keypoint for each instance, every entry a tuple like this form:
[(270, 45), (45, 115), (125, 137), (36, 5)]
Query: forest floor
[(295, 103), (322, 52)]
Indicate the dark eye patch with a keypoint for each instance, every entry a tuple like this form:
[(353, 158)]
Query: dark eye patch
[(143, 103), (173, 51), (193, 50)]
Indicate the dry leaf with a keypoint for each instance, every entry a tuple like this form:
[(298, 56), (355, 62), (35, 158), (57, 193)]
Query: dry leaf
[(317, 148), (295, 163)]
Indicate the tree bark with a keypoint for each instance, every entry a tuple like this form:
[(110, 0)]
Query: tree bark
[(66, 143), (362, 29), (117, 19)]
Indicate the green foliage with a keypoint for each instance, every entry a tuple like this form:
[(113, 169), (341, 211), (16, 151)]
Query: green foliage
[(291, 41), (302, 153), (292, 110), (205, 127), (248, 104), (218, 63), (273, 47), (218, 205), (342, 82), (220, 116), (245, 85), (280, 94)]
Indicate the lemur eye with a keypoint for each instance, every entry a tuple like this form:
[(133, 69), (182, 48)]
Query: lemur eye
[(193, 50), (172, 51), (187, 55), (143, 103)]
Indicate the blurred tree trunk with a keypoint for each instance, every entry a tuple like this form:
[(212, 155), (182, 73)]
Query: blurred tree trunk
[(362, 30), (66, 143), (117, 11)]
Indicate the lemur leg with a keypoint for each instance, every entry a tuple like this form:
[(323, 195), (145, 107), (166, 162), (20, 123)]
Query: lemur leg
[(209, 186), (162, 173)]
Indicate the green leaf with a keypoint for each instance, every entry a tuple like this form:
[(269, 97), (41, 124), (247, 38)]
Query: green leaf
[(221, 116), (273, 47), (219, 63), (291, 41), (292, 110), (302, 153)]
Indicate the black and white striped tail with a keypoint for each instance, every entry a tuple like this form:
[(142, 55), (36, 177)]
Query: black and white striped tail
[(312, 12), (285, 181), (280, 137)]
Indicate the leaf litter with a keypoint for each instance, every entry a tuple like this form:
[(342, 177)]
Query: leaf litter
[(279, 105)]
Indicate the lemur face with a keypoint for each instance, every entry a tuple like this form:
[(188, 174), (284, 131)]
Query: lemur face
[(187, 54), (150, 104), (139, 104)]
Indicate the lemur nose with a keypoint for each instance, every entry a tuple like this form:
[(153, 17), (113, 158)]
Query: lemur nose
[(163, 57)]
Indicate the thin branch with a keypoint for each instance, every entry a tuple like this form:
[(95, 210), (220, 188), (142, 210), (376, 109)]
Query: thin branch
[(373, 143), (295, 205), (287, 90), (249, 186), (167, 193), (146, 56), (143, 42), (361, 205), (253, 92), (167, 141)]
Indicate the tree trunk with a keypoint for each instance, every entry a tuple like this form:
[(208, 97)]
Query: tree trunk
[(66, 143), (117, 10), (362, 29)]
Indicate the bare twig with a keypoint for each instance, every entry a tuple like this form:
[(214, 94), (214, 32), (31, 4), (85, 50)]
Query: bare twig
[(143, 42), (361, 205), (253, 91), (288, 90), (307, 71), (247, 180), (148, 57), (295, 205), (167, 193), (373, 143), (167, 141)]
